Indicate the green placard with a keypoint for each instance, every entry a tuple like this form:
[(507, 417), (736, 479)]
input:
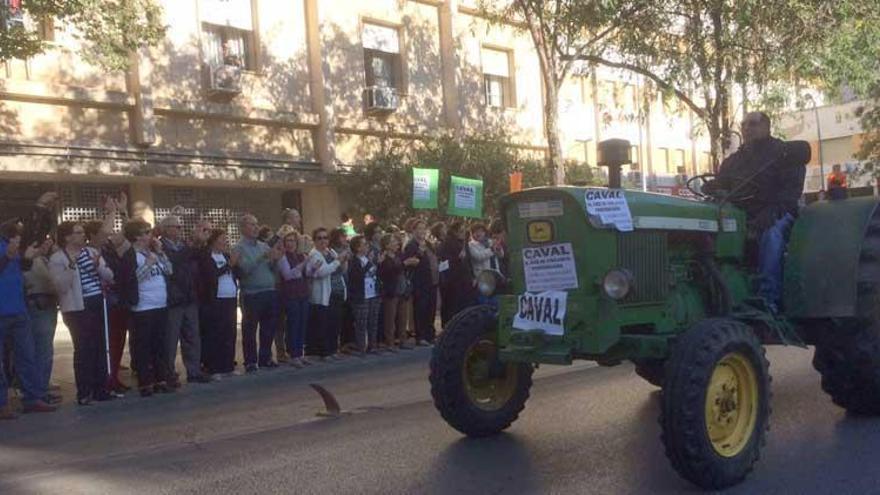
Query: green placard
[(465, 197), (425, 186)]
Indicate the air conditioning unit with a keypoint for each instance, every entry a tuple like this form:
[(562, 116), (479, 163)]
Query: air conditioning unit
[(381, 99), (224, 80)]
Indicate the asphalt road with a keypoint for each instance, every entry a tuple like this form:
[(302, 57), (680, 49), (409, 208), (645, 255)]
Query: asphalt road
[(585, 430)]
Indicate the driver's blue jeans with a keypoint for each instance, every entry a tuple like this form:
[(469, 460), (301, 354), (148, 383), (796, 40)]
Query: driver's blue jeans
[(771, 250)]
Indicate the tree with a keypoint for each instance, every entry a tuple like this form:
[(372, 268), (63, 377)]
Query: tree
[(562, 31), (870, 120), (383, 184), (699, 50), (110, 29)]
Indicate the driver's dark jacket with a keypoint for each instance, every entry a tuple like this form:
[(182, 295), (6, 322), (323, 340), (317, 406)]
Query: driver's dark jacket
[(778, 187)]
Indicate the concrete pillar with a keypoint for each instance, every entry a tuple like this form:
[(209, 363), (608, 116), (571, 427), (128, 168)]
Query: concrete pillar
[(320, 208), (322, 101), (142, 122), (451, 66), (141, 201)]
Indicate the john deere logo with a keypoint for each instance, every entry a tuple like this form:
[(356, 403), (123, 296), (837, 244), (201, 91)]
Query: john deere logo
[(541, 231)]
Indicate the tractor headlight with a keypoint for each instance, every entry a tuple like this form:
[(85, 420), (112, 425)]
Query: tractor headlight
[(617, 284), (487, 282)]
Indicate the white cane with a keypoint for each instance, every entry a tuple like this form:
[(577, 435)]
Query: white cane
[(106, 336)]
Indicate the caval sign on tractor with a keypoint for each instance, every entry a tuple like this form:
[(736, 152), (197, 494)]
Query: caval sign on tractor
[(544, 311)]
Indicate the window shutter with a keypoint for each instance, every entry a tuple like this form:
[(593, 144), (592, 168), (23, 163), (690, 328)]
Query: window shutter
[(495, 62), (381, 38), (232, 13)]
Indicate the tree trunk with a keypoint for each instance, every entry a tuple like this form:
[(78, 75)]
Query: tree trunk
[(551, 130), (715, 145)]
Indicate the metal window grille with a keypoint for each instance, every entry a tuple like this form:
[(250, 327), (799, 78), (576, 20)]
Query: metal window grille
[(222, 207), (84, 202)]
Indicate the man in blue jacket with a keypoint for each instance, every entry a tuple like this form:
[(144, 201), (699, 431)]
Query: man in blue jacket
[(14, 321)]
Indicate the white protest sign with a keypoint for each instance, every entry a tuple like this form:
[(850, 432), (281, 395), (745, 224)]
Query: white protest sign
[(421, 188), (544, 311), (549, 267), (609, 207), (465, 196)]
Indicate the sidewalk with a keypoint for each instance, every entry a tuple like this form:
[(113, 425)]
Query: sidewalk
[(62, 370)]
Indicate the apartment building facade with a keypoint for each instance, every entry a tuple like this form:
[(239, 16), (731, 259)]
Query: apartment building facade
[(256, 105)]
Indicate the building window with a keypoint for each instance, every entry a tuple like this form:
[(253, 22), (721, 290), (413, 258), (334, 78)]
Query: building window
[(678, 162), (382, 61), (496, 78), (661, 162), (11, 15), (229, 46), (228, 33), (635, 156)]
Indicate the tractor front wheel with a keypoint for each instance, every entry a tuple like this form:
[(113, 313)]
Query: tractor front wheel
[(476, 393), (652, 370), (715, 403)]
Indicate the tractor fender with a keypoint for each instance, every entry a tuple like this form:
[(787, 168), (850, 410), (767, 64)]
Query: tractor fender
[(821, 269)]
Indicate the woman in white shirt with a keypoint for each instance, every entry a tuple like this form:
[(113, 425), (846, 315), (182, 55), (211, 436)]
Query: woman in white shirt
[(150, 312), (218, 289)]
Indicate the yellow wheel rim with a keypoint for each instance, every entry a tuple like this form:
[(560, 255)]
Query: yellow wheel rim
[(487, 390), (732, 404)]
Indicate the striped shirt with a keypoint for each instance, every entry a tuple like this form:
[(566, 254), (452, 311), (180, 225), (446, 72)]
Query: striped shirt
[(88, 274)]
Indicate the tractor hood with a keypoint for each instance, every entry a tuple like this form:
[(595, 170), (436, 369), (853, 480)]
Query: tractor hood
[(648, 210)]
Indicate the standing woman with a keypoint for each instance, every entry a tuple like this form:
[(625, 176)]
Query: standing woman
[(417, 258), (363, 295), (77, 272), (294, 297), (456, 280), (150, 312), (394, 284), (218, 292), (323, 265)]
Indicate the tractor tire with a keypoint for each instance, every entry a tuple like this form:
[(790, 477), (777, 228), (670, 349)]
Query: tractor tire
[(652, 370), (848, 354), (474, 392), (715, 403)]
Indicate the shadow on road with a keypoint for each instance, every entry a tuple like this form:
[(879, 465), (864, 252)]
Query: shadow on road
[(484, 465)]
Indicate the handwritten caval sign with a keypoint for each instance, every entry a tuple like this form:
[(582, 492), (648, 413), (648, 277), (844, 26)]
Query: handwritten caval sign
[(543, 311)]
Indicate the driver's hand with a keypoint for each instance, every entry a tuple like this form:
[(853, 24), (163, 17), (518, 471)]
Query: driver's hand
[(711, 188)]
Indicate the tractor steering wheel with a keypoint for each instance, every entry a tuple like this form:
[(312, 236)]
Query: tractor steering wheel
[(744, 190), (691, 183)]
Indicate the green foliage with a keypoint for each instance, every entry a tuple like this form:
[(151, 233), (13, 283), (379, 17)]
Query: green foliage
[(383, 185), (699, 50), (110, 30), (870, 119)]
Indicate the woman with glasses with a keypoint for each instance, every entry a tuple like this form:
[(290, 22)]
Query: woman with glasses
[(149, 307), (78, 272), (324, 263)]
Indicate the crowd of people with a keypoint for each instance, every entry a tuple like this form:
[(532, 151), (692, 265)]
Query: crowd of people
[(303, 298)]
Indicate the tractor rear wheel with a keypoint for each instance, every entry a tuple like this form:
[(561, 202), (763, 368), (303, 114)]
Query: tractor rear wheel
[(652, 370), (715, 403), (848, 358), (476, 393), (848, 353)]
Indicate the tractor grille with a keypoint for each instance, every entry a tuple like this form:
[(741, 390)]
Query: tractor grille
[(644, 255)]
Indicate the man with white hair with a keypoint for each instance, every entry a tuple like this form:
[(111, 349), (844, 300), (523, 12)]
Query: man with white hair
[(183, 309)]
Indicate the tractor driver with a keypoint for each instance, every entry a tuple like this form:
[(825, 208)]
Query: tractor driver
[(770, 199)]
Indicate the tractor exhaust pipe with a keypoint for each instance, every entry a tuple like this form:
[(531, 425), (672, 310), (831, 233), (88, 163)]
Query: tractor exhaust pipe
[(614, 153)]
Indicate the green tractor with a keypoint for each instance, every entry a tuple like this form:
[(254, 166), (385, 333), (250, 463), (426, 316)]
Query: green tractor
[(613, 275)]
